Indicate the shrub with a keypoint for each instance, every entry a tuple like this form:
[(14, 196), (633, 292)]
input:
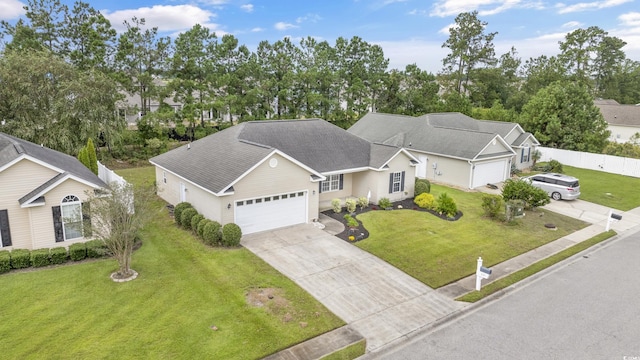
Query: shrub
[(363, 202), (77, 251), (186, 216), (96, 249), (200, 227), (20, 258), (446, 205), (40, 258), (194, 222), (178, 209), (5, 261), (422, 186), (384, 203), (350, 204), (211, 233), (515, 170), (351, 221), (59, 255), (336, 205), (523, 190), (492, 205), (425, 201), (231, 234), (554, 166)]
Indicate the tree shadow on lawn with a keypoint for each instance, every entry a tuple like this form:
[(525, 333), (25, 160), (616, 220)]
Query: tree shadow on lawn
[(360, 233)]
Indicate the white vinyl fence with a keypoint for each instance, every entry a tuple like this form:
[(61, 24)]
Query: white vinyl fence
[(108, 176), (607, 163)]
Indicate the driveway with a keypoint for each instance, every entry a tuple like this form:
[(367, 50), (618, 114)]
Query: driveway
[(373, 297), (594, 213)]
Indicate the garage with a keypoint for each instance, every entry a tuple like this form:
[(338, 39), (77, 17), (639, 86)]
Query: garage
[(271, 212), (490, 172)]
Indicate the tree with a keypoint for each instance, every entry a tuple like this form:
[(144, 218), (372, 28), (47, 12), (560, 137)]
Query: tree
[(118, 216), (470, 46), (87, 156), (523, 190), (563, 115), (45, 100)]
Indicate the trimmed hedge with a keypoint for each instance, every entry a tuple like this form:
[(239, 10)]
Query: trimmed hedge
[(231, 234), (195, 220), (59, 255), (40, 258), (5, 261), (425, 201), (178, 209), (77, 251), (211, 233), (446, 205), (20, 258), (422, 186), (200, 227), (186, 216), (96, 249)]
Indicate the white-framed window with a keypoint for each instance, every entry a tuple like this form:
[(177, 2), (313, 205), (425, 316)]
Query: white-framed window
[(71, 209), (164, 177), (331, 184), (397, 182), (526, 152)]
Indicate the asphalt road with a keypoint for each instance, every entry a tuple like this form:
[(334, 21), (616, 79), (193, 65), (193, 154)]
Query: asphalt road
[(587, 309)]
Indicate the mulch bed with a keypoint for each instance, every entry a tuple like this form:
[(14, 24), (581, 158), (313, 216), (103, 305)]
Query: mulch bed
[(362, 233)]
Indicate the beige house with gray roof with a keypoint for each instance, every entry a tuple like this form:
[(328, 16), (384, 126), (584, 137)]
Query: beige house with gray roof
[(623, 120), (266, 174)]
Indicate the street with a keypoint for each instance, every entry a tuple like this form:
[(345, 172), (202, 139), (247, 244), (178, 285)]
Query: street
[(587, 309)]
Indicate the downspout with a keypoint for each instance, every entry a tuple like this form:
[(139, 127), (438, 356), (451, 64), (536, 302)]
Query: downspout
[(471, 173)]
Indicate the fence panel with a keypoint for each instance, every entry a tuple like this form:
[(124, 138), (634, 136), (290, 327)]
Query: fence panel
[(607, 163), (108, 176)]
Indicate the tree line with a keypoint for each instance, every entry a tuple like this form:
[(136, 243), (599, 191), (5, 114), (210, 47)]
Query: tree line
[(63, 70)]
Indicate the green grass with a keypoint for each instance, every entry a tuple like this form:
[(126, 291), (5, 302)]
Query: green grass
[(184, 287), (438, 252), (611, 190), (534, 268), (350, 352)]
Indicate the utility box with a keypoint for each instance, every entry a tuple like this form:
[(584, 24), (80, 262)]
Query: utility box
[(514, 209)]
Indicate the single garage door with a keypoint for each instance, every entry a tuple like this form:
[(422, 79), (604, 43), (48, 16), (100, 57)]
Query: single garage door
[(489, 173), (271, 212)]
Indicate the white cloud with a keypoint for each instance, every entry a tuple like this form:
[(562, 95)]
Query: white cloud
[(445, 30), (282, 26), (308, 18), (572, 25), (630, 33), (11, 9), (630, 19), (247, 7), (167, 18), (443, 8), (586, 6), (418, 12), (257, 29)]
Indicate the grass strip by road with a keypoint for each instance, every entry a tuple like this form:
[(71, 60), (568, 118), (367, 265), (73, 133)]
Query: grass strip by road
[(350, 352), (534, 268)]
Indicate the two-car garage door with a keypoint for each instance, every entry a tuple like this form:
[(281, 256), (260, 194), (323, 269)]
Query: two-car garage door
[(490, 172), (271, 212)]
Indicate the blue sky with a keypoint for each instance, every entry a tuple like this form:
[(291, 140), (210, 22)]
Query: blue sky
[(409, 31)]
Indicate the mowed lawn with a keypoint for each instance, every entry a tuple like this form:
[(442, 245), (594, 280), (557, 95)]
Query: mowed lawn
[(438, 252), (184, 288)]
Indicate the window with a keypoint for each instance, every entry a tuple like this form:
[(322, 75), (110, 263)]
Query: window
[(239, 203), (258, 201), (71, 217), (267, 199), (284, 196), (5, 232), (164, 177), (526, 152), (276, 198), (397, 181), (249, 202), (331, 184)]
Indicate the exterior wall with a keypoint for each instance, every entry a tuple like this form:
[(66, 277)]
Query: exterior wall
[(42, 219), (512, 136), (448, 171), (517, 159), (622, 134), (378, 181), (495, 147), (264, 180), (17, 181), (347, 190)]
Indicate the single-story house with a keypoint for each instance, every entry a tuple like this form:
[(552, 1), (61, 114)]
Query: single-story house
[(453, 148), (268, 174), (42, 195), (623, 120)]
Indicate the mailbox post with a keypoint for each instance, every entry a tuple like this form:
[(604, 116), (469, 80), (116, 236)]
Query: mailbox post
[(611, 218), (481, 273)]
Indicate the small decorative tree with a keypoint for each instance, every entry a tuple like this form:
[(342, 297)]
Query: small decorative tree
[(350, 204), (336, 205)]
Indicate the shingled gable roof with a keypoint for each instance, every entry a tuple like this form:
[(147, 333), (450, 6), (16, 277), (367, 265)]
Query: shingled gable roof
[(617, 114), (419, 134), (217, 161), (13, 149)]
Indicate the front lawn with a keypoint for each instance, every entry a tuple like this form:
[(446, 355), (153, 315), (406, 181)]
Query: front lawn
[(184, 288), (438, 252)]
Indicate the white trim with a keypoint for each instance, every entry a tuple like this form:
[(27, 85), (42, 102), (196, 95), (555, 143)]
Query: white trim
[(187, 180), (502, 141), (403, 150), (55, 184), (77, 202), (35, 160)]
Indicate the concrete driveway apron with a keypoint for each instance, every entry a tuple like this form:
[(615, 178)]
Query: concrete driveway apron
[(376, 299)]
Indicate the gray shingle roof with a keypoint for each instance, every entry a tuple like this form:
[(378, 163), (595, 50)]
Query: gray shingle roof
[(12, 148), (217, 160), (616, 114), (419, 133)]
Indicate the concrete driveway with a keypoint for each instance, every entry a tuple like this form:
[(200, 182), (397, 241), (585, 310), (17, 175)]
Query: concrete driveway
[(376, 299), (594, 213)]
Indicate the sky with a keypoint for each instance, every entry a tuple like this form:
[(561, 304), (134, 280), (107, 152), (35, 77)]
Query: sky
[(409, 31)]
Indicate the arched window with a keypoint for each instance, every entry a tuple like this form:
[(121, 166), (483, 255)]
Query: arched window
[(71, 217)]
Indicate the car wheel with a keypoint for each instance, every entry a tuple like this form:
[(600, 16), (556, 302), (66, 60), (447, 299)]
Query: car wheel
[(556, 196)]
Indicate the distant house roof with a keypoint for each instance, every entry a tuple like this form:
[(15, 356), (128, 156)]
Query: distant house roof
[(617, 114), (218, 160), (13, 149), (451, 134)]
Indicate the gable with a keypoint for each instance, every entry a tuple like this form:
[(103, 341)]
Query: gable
[(496, 147)]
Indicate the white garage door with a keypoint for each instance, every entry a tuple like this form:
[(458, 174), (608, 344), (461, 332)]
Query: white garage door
[(271, 212), (489, 173)]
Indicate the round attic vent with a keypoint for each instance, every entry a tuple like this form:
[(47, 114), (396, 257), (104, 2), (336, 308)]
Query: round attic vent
[(273, 162)]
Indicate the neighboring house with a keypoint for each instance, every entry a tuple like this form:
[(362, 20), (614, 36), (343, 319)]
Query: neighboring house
[(623, 120), (41, 196), (268, 174), (453, 148)]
